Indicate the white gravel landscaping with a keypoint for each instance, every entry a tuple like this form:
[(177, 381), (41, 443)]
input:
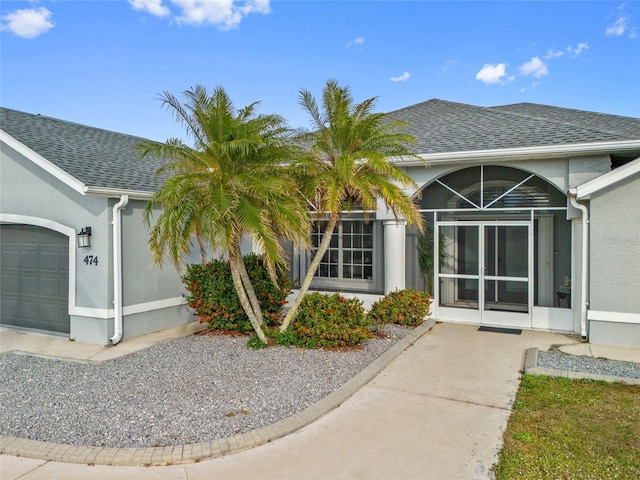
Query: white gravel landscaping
[(193, 389)]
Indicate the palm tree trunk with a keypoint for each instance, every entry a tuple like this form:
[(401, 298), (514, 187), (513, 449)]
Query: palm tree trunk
[(203, 251), (242, 294), (251, 293), (304, 288)]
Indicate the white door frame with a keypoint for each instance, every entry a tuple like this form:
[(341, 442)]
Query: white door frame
[(480, 315)]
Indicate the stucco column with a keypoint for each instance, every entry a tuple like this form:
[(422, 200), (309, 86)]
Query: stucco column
[(394, 258)]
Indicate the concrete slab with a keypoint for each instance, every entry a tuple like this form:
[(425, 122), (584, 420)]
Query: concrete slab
[(625, 354), (17, 467), (61, 471), (379, 434), (57, 347)]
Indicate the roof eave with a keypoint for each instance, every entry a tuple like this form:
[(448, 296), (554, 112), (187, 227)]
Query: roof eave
[(521, 153), (118, 192), (43, 163), (584, 191)]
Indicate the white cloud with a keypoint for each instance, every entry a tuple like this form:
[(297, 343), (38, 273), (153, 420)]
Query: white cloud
[(535, 67), (449, 64), (402, 78), (618, 27), (154, 7), (28, 22), (224, 13), (356, 41), (621, 25), (578, 50), (553, 54), (494, 74)]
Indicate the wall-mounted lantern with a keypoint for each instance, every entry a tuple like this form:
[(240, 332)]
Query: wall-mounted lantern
[(83, 237)]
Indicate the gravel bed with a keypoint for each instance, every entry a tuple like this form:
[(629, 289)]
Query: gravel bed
[(578, 363), (193, 389)]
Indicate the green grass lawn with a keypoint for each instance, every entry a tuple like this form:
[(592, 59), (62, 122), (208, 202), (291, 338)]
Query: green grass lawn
[(572, 429)]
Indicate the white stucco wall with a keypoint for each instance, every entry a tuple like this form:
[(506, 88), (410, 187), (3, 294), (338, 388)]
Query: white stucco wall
[(152, 296), (615, 248), (28, 191)]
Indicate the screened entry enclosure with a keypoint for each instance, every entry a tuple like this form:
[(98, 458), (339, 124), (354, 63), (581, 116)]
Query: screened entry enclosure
[(503, 254)]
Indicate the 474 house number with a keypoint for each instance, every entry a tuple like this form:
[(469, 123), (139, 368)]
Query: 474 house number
[(91, 260)]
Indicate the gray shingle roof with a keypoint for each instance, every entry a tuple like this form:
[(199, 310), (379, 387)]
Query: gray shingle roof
[(101, 158), (96, 157), (441, 127)]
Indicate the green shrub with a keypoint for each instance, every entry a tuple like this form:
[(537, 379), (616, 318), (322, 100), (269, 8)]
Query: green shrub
[(214, 298), (327, 321), (404, 307), (255, 343)]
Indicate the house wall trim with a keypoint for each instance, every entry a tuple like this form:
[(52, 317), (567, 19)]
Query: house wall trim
[(108, 313), (522, 153), (615, 317), (117, 193)]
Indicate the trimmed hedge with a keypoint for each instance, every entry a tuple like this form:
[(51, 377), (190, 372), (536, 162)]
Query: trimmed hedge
[(325, 320), (404, 307), (214, 298)]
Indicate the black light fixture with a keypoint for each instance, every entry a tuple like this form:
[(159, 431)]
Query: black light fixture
[(83, 237)]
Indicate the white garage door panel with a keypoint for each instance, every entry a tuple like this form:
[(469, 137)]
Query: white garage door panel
[(35, 276)]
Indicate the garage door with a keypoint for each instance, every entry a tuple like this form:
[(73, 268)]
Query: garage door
[(34, 290)]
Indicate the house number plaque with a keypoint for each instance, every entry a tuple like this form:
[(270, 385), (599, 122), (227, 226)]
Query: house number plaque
[(91, 260)]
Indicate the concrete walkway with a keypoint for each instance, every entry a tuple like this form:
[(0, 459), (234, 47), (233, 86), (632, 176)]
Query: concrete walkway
[(438, 411)]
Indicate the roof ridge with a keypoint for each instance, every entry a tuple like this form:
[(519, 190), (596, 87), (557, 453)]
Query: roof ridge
[(567, 109), (69, 122), (498, 109)]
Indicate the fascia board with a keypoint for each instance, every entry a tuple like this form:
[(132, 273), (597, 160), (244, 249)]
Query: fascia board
[(524, 153), (584, 191), (117, 193), (43, 163)]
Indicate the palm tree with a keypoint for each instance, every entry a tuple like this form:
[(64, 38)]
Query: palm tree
[(349, 165), (231, 183)]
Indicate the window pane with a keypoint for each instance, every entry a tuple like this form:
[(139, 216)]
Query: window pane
[(506, 296), (323, 269), (356, 271), (460, 293), (346, 271), (368, 241), (346, 241), (334, 271), (552, 259), (368, 273), (461, 250)]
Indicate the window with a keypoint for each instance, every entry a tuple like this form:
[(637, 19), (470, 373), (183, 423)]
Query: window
[(491, 188), (350, 256)]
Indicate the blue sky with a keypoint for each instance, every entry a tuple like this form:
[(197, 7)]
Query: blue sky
[(104, 63)]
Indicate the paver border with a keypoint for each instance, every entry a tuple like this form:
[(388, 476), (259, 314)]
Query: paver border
[(170, 455), (531, 367)]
